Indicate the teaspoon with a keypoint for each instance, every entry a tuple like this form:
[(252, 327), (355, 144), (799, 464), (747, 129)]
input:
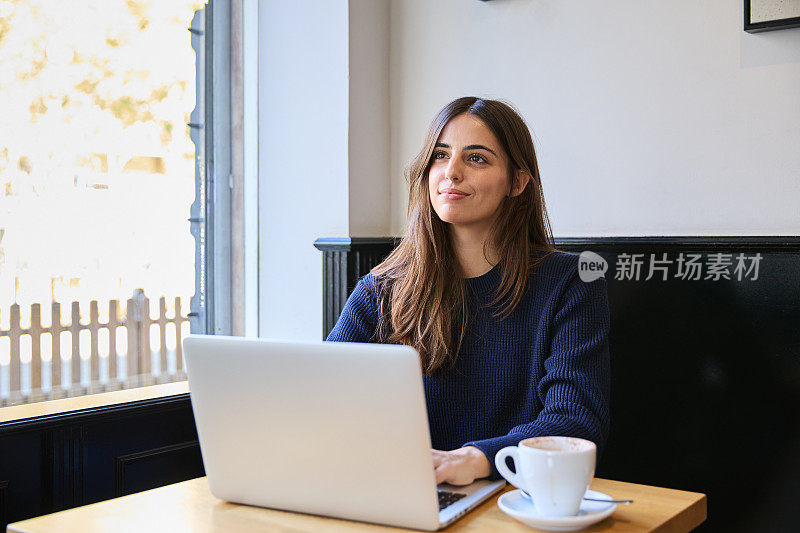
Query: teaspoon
[(587, 499)]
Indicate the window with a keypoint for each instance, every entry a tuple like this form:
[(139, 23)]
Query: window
[(103, 157)]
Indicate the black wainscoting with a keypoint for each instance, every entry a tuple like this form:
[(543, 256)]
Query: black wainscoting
[(344, 262), (57, 462), (705, 373), (176, 462)]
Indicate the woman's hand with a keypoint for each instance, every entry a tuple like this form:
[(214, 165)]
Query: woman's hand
[(461, 466)]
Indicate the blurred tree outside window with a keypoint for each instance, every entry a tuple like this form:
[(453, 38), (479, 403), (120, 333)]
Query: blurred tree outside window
[(97, 176)]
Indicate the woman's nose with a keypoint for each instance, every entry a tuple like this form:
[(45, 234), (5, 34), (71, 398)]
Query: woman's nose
[(453, 170)]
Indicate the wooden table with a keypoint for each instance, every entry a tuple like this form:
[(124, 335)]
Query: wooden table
[(190, 507)]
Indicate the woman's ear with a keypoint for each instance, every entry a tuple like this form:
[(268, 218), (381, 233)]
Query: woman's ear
[(521, 179)]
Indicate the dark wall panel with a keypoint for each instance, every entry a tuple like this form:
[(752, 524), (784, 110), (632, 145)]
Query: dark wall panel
[(154, 431), (149, 469), (17, 484), (70, 459), (703, 374)]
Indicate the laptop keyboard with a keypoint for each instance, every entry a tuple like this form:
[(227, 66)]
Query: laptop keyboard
[(447, 498)]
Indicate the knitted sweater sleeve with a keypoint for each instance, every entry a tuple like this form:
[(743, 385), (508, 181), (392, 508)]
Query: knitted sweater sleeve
[(575, 389), (359, 319)]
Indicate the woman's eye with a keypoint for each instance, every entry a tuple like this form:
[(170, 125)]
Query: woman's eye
[(439, 155), (477, 158)]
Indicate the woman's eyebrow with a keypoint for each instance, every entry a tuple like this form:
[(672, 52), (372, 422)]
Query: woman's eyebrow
[(470, 147)]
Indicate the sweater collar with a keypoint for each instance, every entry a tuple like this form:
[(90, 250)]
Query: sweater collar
[(485, 282)]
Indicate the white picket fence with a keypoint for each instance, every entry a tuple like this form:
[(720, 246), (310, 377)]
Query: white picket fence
[(129, 349)]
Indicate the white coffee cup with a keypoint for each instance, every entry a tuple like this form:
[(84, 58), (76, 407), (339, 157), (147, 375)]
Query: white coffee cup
[(555, 471)]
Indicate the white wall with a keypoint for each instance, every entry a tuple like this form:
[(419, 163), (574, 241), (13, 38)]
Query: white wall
[(323, 158), (303, 170), (649, 117), (368, 137)]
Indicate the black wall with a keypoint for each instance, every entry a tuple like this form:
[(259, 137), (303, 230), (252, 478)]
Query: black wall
[(705, 373)]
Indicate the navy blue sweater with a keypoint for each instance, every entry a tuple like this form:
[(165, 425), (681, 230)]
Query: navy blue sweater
[(544, 370)]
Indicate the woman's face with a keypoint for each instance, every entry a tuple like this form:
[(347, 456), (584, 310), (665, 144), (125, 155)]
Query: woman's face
[(468, 177)]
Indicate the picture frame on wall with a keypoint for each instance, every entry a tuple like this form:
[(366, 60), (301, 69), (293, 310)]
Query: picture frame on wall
[(767, 15)]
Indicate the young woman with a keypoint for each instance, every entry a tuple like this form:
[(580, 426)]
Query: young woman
[(512, 343)]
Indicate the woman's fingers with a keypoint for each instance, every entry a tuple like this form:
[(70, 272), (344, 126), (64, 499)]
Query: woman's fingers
[(445, 473), (452, 474), (441, 475), (438, 457), (440, 465), (451, 468)]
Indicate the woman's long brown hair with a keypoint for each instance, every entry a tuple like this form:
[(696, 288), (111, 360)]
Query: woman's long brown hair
[(423, 299)]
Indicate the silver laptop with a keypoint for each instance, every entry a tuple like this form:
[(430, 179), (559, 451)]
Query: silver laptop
[(332, 429)]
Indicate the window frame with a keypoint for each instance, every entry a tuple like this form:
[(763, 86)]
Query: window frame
[(231, 166)]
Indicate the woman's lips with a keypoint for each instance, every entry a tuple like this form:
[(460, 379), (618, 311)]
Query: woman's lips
[(453, 196)]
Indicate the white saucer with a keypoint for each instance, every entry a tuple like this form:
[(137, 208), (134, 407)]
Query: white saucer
[(517, 506)]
